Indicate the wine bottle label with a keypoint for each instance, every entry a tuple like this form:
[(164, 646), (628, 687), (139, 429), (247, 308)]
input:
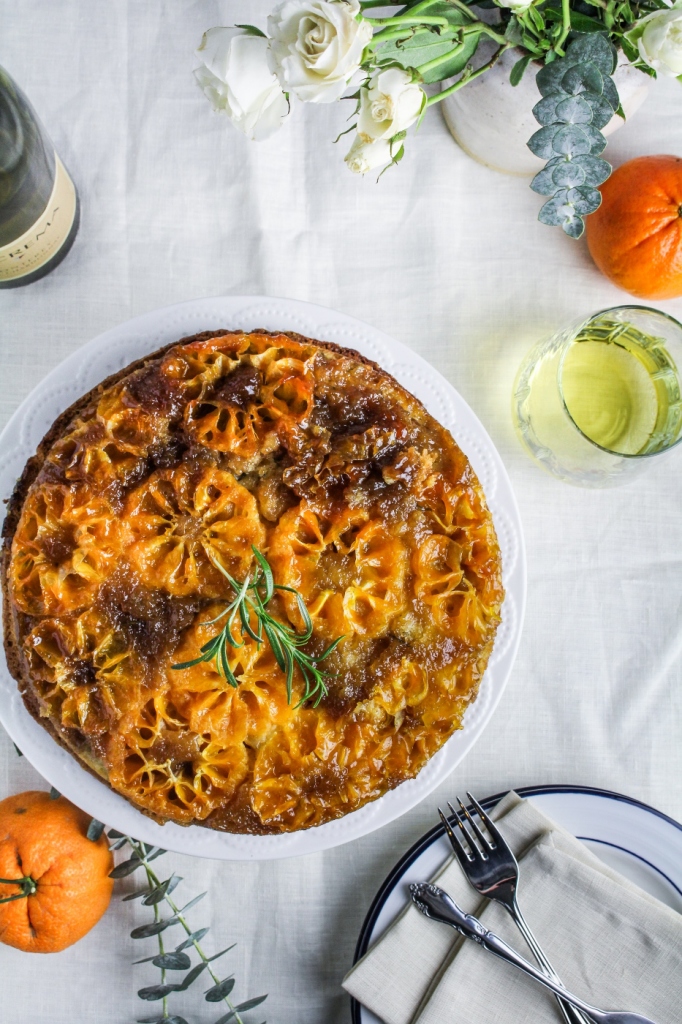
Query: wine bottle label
[(43, 239)]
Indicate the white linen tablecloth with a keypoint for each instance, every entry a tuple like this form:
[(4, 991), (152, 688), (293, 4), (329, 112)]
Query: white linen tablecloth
[(446, 256)]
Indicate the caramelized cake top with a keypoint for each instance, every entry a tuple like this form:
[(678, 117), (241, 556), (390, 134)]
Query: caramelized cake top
[(166, 477)]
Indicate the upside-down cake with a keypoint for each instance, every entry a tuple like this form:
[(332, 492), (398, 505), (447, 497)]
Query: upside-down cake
[(161, 481)]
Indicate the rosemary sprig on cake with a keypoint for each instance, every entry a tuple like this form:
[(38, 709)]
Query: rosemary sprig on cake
[(250, 603)]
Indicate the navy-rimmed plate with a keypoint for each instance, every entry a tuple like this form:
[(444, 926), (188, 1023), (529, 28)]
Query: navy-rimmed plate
[(631, 837)]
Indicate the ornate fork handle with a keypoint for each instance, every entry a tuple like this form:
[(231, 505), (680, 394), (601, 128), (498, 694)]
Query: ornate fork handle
[(436, 904)]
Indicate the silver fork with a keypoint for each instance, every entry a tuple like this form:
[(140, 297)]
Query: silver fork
[(491, 868)]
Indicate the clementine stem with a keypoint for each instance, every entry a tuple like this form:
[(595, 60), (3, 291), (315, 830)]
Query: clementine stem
[(27, 885)]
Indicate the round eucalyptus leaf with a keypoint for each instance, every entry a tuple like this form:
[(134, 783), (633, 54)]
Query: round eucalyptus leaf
[(596, 170), (542, 142), (568, 174), (126, 867), (153, 928), (571, 140), (611, 93), (543, 182), (546, 110), (595, 48), (584, 199), (602, 111), (556, 210), (549, 77), (583, 78), (574, 226), (219, 991), (172, 961), (574, 110), (163, 1020), (595, 137), (154, 992)]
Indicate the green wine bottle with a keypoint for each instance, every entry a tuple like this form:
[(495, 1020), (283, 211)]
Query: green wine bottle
[(39, 209)]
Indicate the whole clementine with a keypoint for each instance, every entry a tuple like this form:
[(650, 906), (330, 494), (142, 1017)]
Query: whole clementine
[(55, 880), (635, 237)]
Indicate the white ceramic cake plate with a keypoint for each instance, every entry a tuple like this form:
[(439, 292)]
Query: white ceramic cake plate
[(634, 839), (112, 351)]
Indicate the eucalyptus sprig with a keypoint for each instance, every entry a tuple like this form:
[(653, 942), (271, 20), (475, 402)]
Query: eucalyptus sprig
[(155, 894), (250, 604), (579, 98)]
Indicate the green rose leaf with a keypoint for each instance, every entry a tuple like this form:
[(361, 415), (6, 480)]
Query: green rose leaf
[(574, 110), (629, 49), (519, 69), (252, 30), (425, 45), (584, 23), (583, 78)]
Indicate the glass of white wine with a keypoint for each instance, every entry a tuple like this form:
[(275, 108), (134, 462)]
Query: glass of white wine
[(595, 403)]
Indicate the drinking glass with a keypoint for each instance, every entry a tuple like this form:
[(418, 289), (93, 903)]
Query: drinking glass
[(597, 402)]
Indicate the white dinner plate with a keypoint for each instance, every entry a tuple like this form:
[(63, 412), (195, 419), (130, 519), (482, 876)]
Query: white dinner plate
[(640, 842), (112, 351)]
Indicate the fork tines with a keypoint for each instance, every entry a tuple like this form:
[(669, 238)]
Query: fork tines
[(476, 844)]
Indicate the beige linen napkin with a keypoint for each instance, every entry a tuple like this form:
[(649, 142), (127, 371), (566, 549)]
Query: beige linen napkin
[(611, 942)]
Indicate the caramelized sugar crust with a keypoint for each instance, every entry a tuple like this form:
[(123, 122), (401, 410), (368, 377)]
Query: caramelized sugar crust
[(358, 498)]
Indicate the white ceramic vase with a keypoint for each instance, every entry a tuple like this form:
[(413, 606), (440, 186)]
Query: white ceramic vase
[(492, 120)]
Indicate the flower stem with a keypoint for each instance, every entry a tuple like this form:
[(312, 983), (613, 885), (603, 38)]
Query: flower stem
[(566, 16), (408, 19), (431, 64), (465, 79)]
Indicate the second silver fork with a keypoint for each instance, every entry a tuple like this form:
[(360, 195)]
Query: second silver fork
[(491, 868)]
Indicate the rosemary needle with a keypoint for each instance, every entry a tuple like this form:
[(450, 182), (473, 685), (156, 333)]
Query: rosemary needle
[(251, 599)]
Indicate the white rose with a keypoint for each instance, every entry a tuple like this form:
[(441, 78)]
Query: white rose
[(316, 46), (515, 6), (236, 78), (659, 38), (390, 104), (368, 154)]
